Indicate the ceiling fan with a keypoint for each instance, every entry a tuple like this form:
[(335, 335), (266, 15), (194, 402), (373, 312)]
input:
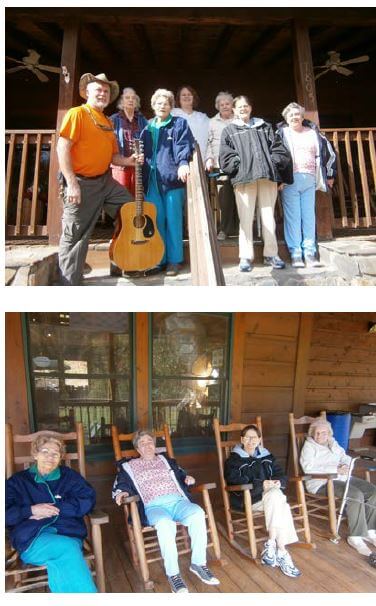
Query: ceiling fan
[(335, 64), (31, 62)]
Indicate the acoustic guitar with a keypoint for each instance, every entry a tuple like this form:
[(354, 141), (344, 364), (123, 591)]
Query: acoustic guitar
[(137, 244)]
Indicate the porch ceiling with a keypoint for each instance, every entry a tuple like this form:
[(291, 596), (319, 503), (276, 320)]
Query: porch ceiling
[(202, 38)]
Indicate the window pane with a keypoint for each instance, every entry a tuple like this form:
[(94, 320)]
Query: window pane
[(190, 371), (80, 368)]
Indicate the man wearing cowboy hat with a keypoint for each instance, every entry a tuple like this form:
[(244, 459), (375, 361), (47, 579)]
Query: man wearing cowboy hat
[(86, 148)]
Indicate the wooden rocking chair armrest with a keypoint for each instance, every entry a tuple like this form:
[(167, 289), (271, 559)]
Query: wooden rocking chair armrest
[(238, 487), (98, 517), (202, 487), (296, 478), (320, 476), (132, 499)]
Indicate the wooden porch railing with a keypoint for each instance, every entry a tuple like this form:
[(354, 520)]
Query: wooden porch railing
[(27, 178), (354, 192), (205, 261)]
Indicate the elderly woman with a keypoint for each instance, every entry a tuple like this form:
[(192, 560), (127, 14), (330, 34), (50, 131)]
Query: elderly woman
[(163, 489), (250, 463), (128, 123), (187, 101), (314, 166), (256, 161), (321, 453), (229, 217), (45, 506), (168, 146)]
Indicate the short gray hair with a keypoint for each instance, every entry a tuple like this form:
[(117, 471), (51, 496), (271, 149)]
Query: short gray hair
[(140, 434), (44, 437), (290, 107), (320, 423), (163, 92), (120, 104), (223, 95)]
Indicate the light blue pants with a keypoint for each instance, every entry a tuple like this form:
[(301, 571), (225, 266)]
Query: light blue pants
[(170, 206), (298, 202), (163, 513), (66, 567)]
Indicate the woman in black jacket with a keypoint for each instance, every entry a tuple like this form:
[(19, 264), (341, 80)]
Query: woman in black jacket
[(251, 463), (256, 161)]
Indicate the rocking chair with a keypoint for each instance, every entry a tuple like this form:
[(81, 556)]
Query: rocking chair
[(143, 541), (27, 577), (244, 529)]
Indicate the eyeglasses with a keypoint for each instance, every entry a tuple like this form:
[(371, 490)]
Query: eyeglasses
[(249, 438), (49, 453), (101, 126)]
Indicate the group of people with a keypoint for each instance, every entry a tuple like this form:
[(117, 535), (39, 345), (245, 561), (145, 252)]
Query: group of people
[(46, 503), (249, 160)]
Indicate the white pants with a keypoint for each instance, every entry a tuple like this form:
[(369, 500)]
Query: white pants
[(246, 194), (278, 515)]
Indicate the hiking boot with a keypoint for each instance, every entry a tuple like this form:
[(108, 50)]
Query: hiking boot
[(276, 262), (204, 574), (172, 269), (221, 236), (177, 584), (245, 265), (269, 554), (287, 566), (297, 262)]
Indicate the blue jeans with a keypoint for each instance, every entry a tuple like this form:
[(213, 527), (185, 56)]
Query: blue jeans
[(163, 513), (170, 206), (298, 202), (66, 567)]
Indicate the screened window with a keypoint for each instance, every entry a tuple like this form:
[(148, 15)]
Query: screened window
[(80, 369), (190, 371)]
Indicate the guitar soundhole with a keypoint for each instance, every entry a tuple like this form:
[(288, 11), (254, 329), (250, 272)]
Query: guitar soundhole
[(139, 221)]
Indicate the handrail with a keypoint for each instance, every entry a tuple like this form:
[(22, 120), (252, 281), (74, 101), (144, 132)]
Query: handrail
[(205, 260)]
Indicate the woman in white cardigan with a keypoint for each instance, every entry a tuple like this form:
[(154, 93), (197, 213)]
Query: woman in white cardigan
[(322, 454)]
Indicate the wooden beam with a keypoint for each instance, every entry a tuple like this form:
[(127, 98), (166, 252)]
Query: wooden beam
[(238, 349), (142, 370), (302, 363), (67, 97), (16, 412), (145, 44), (110, 49), (254, 47), (306, 96), (221, 45)]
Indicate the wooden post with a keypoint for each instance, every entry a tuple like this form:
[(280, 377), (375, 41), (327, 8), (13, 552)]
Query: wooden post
[(142, 370), (67, 96), (306, 96), (302, 360), (237, 367)]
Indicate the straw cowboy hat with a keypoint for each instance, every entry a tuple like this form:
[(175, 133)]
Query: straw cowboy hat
[(101, 78)]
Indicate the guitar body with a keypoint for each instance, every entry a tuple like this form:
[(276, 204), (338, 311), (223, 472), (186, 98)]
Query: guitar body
[(137, 244)]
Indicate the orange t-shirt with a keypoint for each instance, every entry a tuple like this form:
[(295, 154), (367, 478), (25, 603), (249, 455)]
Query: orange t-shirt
[(92, 148)]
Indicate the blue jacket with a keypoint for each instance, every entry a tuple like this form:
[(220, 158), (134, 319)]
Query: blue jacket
[(71, 493), (118, 120), (124, 483), (174, 149)]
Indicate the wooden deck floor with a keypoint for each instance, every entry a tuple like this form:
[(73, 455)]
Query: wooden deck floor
[(327, 569)]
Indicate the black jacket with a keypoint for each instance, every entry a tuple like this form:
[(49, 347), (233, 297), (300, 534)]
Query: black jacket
[(243, 469), (249, 153)]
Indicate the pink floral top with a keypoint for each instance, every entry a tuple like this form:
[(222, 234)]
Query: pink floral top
[(153, 478), (304, 150)]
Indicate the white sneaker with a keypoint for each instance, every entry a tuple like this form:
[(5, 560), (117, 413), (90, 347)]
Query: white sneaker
[(371, 537), (221, 236), (358, 544)]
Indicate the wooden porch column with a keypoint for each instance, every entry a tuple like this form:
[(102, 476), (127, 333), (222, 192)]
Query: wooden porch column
[(16, 411), (142, 369), (301, 365), (237, 367), (67, 96), (306, 96)]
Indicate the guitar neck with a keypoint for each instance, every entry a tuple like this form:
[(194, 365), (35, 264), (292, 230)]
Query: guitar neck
[(139, 189)]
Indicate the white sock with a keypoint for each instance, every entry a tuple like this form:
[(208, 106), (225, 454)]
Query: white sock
[(358, 544), (371, 537)]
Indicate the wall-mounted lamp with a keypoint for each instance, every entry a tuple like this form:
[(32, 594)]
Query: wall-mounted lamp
[(372, 327)]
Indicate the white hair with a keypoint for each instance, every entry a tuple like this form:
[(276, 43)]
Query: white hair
[(163, 92), (320, 423), (223, 95), (120, 104), (290, 107)]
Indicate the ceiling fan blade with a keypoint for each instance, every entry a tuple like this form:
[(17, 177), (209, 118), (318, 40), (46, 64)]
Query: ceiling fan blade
[(319, 66), (343, 70), (14, 60), (32, 58), (49, 68), (322, 73), (361, 59), (40, 75), (11, 70)]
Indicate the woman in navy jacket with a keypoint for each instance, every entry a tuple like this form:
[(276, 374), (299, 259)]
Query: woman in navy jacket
[(168, 146), (45, 506)]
